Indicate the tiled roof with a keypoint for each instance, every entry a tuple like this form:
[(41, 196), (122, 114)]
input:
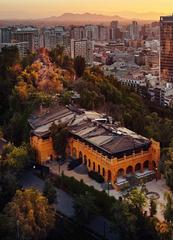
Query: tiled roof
[(105, 137)]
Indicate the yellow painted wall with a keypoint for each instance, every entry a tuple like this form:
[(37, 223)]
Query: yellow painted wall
[(108, 168)]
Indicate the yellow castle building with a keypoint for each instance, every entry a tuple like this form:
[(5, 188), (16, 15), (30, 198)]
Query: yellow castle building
[(115, 152)]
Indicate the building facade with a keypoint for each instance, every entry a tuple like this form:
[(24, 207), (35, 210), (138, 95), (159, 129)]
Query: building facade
[(166, 49), (83, 48), (116, 153)]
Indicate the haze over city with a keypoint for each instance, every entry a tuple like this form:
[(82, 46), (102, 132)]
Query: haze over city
[(131, 9)]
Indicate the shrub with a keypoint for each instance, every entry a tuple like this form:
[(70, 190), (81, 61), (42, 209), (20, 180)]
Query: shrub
[(96, 176)]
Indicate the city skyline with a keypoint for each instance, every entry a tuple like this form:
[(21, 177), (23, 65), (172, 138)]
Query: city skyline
[(38, 9)]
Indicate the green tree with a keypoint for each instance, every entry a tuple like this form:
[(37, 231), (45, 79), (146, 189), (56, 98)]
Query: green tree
[(137, 199), (32, 213), (59, 134), (57, 55), (85, 208), (66, 97), (153, 208), (79, 66), (18, 158), (168, 212), (8, 187), (49, 191)]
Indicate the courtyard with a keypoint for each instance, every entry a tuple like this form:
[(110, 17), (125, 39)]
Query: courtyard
[(81, 173)]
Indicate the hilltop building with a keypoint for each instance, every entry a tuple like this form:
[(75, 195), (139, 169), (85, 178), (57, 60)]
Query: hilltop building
[(115, 152)]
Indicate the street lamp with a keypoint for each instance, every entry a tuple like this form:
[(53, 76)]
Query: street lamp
[(17, 226), (156, 169)]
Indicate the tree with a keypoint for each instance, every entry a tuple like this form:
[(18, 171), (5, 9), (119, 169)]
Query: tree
[(168, 212), (49, 191), (153, 208), (30, 210), (164, 230), (16, 158), (137, 199), (57, 55), (79, 66), (8, 187), (59, 134), (85, 208), (66, 97)]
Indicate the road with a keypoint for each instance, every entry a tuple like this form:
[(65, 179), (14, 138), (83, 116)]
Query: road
[(64, 204)]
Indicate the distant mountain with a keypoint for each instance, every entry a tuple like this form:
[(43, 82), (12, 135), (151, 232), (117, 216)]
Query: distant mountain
[(83, 18)]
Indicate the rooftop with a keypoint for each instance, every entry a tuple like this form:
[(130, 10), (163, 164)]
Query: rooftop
[(92, 128)]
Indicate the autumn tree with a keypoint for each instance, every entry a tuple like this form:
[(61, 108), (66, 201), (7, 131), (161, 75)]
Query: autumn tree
[(32, 214)]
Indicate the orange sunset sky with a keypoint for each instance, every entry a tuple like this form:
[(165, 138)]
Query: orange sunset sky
[(45, 8)]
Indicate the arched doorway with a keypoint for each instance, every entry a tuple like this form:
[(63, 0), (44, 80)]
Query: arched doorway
[(103, 172), (154, 165), (74, 153), (138, 167), (80, 156), (89, 163), (85, 160), (129, 170), (109, 175), (98, 168), (94, 166), (120, 172), (146, 165)]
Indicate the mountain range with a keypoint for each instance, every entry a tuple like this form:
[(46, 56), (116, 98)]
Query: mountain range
[(87, 18)]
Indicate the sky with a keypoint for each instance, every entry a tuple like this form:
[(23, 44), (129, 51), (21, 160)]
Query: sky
[(44, 8)]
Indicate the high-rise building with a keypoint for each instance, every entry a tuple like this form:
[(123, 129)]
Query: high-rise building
[(113, 30), (21, 46), (166, 49), (78, 33), (103, 33), (83, 48), (134, 30), (5, 35), (53, 37), (27, 34)]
